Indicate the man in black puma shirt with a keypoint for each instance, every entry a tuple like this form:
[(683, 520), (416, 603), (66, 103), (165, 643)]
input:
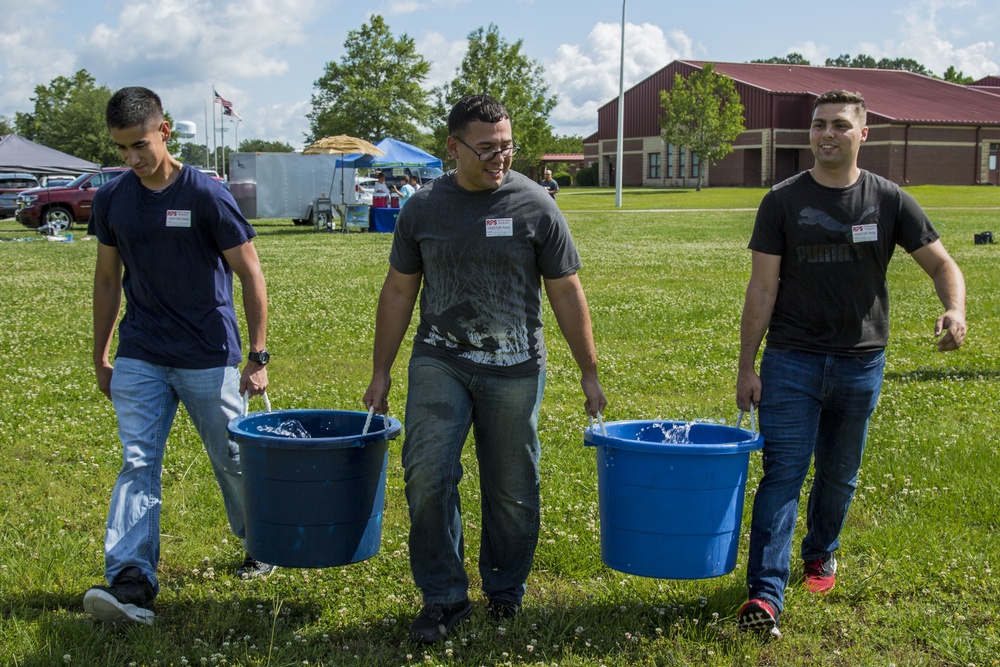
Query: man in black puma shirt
[(821, 245)]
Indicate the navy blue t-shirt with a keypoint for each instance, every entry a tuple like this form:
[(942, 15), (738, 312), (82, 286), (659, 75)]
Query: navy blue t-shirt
[(178, 286)]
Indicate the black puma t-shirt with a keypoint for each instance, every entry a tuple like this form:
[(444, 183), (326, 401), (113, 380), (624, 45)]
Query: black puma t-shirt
[(835, 245)]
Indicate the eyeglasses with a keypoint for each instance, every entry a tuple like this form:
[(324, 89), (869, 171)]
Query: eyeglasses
[(486, 156)]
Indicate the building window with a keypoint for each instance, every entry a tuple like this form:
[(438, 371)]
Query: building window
[(670, 160), (680, 163), (654, 165), (695, 165)]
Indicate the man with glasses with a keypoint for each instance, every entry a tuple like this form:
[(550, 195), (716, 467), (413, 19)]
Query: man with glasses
[(482, 240)]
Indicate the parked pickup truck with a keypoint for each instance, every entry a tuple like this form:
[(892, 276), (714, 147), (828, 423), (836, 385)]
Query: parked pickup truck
[(59, 208)]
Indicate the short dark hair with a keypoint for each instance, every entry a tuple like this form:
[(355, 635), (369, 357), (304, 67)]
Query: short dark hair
[(844, 97), (133, 106), (475, 107)]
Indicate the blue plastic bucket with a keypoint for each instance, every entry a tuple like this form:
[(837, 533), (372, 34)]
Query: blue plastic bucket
[(313, 502), (671, 511)]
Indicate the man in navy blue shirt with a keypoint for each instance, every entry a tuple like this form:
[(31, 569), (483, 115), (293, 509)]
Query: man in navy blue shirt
[(171, 239)]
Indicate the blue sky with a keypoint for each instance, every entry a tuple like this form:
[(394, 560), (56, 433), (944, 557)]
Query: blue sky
[(264, 55)]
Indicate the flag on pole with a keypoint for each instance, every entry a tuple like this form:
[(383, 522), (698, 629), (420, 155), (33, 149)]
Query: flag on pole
[(227, 106)]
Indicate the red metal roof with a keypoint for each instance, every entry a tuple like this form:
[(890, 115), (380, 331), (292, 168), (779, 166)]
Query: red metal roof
[(898, 96)]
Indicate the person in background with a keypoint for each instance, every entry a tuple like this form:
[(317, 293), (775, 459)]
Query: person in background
[(821, 245), (405, 190), (179, 239), (477, 245), (380, 188), (549, 184)]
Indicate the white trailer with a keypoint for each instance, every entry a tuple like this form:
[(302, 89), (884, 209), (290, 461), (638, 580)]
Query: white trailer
[(303, 188)]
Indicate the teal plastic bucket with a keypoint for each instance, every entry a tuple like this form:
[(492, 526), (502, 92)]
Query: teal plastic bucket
[(668, 510), (318, 501)]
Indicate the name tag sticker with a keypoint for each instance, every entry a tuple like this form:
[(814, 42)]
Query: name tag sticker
[(499, 227), (864, 233), (178, 218)]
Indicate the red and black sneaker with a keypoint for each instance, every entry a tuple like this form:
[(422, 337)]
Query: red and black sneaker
[(820, 574), (756, 615)]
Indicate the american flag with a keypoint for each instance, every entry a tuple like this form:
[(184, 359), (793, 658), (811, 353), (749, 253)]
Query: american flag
[(227, 106)]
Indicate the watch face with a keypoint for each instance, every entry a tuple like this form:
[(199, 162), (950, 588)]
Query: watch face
[(261, 357)]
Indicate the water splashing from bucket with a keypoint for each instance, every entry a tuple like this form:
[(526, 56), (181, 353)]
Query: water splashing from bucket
[(289, 428), (673, 433)]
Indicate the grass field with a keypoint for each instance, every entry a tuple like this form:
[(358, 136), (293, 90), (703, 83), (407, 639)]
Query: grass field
[(665, 281)]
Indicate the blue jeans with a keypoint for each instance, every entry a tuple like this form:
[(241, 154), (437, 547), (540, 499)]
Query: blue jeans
[(442, 403), (813, 406), (145, 398)]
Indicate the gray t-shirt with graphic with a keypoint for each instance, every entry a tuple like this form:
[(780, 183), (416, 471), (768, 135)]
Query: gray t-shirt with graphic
[(483, 256)]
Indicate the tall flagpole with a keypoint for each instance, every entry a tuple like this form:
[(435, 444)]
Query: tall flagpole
[(215, 139), (621, 119), (206, 133), (222, 136)]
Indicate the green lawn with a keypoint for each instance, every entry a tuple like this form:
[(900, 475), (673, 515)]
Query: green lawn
[(915, 586)]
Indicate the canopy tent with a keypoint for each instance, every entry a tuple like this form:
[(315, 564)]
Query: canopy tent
[(397, 154), (20, 154)]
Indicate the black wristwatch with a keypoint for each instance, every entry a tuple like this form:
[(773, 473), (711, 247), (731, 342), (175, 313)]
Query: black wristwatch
[(261, 357)]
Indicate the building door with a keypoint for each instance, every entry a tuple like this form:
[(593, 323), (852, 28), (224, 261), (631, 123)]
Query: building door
[(786, 163), (994, 173), (752, 167)]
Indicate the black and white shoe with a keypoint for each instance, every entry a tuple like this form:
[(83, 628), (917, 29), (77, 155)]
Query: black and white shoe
[(128, 598)]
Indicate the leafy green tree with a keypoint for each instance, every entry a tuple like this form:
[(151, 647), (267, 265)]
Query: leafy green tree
[(564, 144), (905, 64), (7, 126), (264, 146), (792, 58), (954, 76), (843, 60), (868, 62), (375, 91), (702, 113), (864, 61), (493, 66), (192, 153), (69, 116)]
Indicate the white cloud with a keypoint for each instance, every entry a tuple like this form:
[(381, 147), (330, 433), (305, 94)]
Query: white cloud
[(443, 55), (27, 60), (284, 122), (177, 41), (926, 36), (815, 53), (404, 7), (585, 77)]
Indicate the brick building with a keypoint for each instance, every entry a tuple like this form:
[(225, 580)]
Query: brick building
[(921, 130)]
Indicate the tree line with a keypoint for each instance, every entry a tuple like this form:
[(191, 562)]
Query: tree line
[(863, 60), (377, 89)]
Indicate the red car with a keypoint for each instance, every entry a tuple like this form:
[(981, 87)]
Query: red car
[(59, 208)]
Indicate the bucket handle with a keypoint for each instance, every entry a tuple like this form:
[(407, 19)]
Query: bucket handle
[(246, 403), (753, 420), (600, 422), (368, 421)]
